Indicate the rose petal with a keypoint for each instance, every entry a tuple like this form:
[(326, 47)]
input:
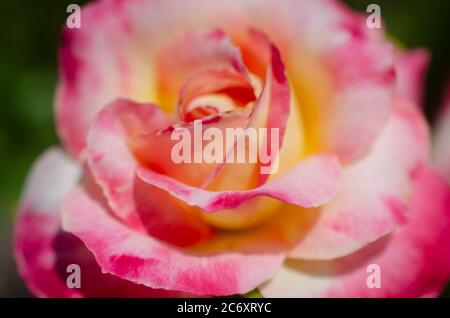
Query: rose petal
[(414, 261), (272, 108), (95, 69), (441, 153), (52, 176), (342, 74), (374, 194), (143, 260), (311, 183), (411, 67), (44, 252), (271, 111), (113, 166), (236, 86), (364, 79), (193, 53)]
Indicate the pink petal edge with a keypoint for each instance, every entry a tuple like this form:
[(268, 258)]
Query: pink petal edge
[(127, 254)]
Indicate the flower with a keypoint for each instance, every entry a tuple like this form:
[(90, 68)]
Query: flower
[(354, 186)]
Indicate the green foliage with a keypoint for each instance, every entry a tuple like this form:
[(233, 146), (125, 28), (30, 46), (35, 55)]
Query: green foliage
[(252, 294)]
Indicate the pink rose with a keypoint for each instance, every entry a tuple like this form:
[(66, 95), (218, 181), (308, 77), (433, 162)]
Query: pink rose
[(353, 192)]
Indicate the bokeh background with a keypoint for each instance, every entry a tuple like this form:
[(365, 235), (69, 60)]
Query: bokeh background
[(29, 36)]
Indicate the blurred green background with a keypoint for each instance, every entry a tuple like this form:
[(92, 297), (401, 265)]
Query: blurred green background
[(29, 36)]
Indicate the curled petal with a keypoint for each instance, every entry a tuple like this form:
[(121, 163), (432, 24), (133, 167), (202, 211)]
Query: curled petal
[(311, 183), (113, 164), (140, 259), (235, 86), (271, 109), (193, 53)]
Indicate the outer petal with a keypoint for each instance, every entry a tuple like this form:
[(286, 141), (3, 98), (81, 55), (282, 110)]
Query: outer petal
[(414, 260), (374, 194), (342, 74), (44, 252), (411, 67), (37, 223), (364, 80), (141, 259), (442, 139), (95, 69)]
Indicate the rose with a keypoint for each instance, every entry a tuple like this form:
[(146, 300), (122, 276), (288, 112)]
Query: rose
[(354, 191)]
